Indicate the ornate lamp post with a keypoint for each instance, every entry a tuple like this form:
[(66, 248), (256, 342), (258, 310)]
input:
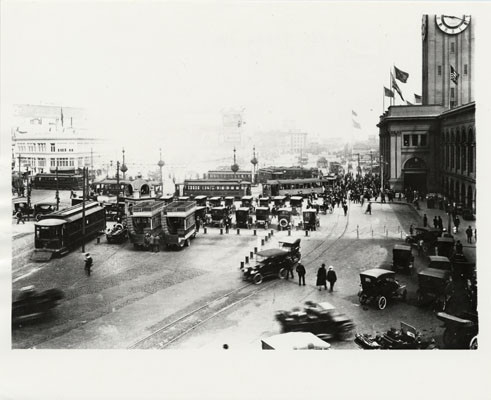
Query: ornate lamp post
[(161, 164), (235, 166), (123, 168), (254, 164)]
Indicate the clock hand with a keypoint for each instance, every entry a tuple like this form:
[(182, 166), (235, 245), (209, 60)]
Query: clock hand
[(451, 16)]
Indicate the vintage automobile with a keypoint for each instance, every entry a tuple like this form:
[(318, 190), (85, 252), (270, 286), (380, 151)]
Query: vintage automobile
[(270, 263), (322, 319), (468, 215), (378, 285), (445, 246), (434, 287), (402, 257), (405, 338), (242, 217), (218, 216), (247, 201), (264, 201), (460, 330), (291, 245), (263, 217), (279, 201), (215, 201), (462, 269), (426, 234), (21, 204), (296, 201), (229, 202), (43, 208), (284, 218), (30, 304), (439, 262), (294, 341), (200, 200), (117, 234), (310, 220)]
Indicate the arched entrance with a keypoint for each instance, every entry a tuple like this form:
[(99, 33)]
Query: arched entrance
[(415, 174)]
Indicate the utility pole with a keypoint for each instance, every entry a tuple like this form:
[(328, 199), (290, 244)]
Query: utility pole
[(161, 165), (57, 195), (83, 209), (381, 172)]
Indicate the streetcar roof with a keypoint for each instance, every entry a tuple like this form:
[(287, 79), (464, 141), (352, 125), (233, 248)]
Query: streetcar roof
[(290, 181), (50, 222)]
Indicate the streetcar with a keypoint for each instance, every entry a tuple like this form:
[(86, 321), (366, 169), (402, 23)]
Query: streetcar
[(293, 187), (179, 223), (214, 187), (60, 181), (60, 231), (143, 220)]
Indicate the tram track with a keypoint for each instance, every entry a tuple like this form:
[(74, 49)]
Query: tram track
[(175, 330)]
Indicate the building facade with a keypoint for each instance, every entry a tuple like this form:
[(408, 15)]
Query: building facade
[(431, 147), (48, 137)]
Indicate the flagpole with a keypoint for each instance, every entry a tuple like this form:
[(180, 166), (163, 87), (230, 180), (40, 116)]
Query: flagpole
[(383, 100)]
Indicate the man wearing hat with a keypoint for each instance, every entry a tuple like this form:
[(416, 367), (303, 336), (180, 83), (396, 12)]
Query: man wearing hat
[(331, 277), (88, 263)]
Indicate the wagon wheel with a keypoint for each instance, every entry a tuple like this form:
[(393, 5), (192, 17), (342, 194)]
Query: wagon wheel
[(258, 279), (473, 343), (381, 302), (283, 273), (363, 299)]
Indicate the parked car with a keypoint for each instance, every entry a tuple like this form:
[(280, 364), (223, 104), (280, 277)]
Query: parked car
[(379, 285), (291, 245), (30, 304), (263, 217), (426, 234), (117, 234), (460, 330), (434, 287), (468, 215), (43, 208), (322, 319), (270, 263), (310, 220), (445, 246), (402, 257), (284, 218)]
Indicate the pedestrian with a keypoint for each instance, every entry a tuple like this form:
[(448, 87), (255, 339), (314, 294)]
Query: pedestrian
[(88, 264), (321, 277), (459, 248), (369, 208), (456, 222), (435, 222), (440, 223), (289, 272), (345, 209), (301, 274), (151, 242), (331, 277), (468, 232), (20, 217), (198, 223), (411, 229), (425, 220), (156, 244)]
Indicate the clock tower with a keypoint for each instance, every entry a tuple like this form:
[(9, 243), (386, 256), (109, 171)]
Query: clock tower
[(448, 42)]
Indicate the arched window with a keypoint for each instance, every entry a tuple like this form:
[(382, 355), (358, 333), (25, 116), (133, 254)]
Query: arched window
[(464, 150), (470, 149), (457, 149)]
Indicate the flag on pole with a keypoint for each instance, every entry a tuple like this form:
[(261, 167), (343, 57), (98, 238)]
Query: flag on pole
[(396, 87), (356, 124), (388, 92), (417, 98), (354, 113), (401, 75), (454, 75)]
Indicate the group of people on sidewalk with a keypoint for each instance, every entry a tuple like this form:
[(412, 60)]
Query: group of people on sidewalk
[(323, 276)]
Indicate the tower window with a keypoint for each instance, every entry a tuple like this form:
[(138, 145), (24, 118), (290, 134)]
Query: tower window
[(439, 70), (465, 69), (452, 47), (406, 140)]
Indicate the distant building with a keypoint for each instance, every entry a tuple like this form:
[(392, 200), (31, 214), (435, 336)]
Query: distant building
[(47, 137), (298, 142), (431, 147), (233, 124), (228, 174)]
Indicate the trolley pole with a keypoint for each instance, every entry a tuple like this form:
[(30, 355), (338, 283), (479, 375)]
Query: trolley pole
[(84, 176)]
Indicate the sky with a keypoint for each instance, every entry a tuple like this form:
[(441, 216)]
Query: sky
[(158, 74)]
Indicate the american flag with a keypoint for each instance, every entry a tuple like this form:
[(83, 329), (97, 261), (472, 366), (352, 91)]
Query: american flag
[(454, 75)]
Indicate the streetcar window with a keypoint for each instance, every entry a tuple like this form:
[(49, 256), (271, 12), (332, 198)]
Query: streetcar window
[(141, 223)]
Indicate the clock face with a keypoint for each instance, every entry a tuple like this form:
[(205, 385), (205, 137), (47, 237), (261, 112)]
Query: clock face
[(452, 25)]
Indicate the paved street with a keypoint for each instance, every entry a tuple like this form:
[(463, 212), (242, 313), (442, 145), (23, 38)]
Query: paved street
[(134, 298)]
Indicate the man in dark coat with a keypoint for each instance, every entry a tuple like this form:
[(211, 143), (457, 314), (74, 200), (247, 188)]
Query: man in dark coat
[(331, 277), (321, 277), (468, 232), (88, 264), (301, 274), (456, 222), (440, 223), (459, 248)]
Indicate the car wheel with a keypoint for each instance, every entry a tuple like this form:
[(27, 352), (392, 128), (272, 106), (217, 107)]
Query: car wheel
[(258, 279), (283, 273), (187, 243), (381, 302), (363, 299), (473, 343)]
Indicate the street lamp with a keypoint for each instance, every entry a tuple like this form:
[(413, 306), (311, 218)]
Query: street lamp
[(254, 164), (161, 165), (57, 195), (235, 166)]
